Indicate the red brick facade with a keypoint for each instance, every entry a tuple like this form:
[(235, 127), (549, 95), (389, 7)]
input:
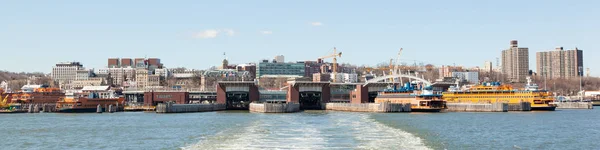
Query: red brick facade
[(160, 97)]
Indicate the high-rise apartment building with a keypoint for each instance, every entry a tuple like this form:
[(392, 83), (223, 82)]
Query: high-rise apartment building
[(515, 62), (487, 66), (560, 63)]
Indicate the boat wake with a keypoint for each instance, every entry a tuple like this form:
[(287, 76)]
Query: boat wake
[(335, 130)]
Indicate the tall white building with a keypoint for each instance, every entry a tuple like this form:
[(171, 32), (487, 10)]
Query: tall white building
[(487, 66), (66, 71), (279, 59)]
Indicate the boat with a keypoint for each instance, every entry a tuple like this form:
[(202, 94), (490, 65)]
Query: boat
[(595, 102), (37, 94), (495, 92), (423, 100), (88, 100)]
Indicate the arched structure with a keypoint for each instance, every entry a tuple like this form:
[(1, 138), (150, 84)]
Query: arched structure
[(382, 78)]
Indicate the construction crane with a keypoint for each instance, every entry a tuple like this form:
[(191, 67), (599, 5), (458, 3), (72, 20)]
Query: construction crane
[(335, 55), (397, 66), (4, 103)]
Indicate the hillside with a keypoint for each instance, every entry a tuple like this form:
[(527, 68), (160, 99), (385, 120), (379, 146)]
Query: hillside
[(17, 80)]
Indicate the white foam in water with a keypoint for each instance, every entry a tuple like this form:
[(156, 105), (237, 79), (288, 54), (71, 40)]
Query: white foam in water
[(375, 135), (300, 131)]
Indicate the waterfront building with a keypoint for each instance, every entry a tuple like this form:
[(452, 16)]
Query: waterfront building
[(515, 62), (560, 63)]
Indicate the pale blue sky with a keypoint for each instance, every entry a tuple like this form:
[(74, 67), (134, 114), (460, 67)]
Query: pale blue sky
[(34, 35)]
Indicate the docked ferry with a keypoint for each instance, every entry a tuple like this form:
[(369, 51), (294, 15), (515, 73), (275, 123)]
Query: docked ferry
[(494, 92), (88, 99), (37, 94), (424, 100)]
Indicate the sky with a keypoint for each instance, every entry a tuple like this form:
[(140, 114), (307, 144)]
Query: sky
[(35, 35)]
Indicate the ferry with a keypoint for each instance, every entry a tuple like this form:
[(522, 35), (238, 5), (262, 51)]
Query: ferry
[(37, 94), (424, 100), (88, 100), (494, 92)]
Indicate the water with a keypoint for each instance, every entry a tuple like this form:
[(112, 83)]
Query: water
[(564, 129)]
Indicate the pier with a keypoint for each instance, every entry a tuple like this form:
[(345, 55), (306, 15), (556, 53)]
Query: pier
[(574, 105), (369, 107), (274, 107), (187, 108), (469, 107)]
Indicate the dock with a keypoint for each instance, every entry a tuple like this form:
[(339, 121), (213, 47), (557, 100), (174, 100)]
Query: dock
[(474, 107), (274, 107), (186, 108), (369, 107), (574, 105)]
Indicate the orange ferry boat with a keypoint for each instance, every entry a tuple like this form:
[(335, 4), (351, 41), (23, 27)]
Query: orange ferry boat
[(88, 100), (37, 94)]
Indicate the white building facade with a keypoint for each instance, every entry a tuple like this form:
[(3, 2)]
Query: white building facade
[(471, 77), (66, 71)]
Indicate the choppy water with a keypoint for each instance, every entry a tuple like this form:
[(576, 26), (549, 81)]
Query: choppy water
[(565, 129)]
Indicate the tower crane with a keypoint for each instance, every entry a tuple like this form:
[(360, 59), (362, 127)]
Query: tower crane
[(335, 55)]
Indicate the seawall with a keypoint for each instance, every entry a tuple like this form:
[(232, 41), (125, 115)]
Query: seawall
[(574, 105), (469, 107), (369, 107), (522, 106), (184, 108), (274, 107)]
